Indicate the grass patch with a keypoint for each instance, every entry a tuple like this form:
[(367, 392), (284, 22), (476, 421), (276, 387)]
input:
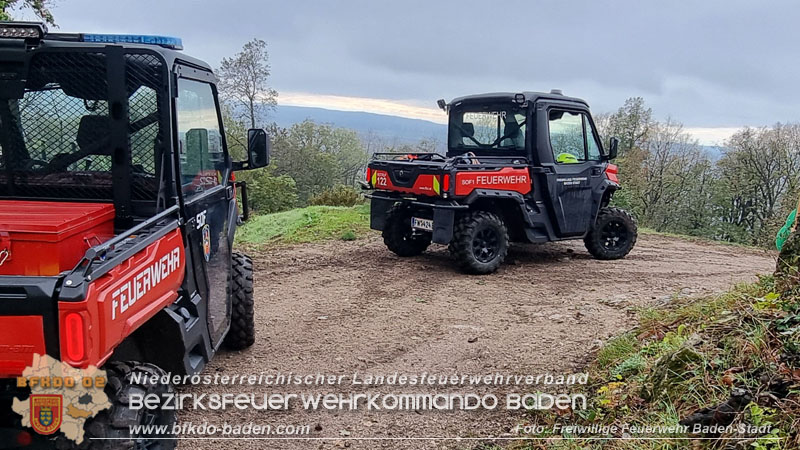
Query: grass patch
[(310, 224), (618, 349), (693, 354)]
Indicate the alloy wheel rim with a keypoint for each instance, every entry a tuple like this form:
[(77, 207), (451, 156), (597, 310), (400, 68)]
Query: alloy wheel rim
[(614, 235), (485, 245)]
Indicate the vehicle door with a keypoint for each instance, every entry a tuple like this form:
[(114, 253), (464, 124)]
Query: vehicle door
[(573, 166), (207, 196)]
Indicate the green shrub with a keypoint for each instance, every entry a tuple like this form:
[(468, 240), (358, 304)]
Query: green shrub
[(268, 193), (631, 366), (339, 195)]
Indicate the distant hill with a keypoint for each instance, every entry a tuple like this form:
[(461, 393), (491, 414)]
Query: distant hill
[(392, 130), (714, 151)]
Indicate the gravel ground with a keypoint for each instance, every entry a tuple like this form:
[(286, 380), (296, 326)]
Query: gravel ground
[(345, 307)]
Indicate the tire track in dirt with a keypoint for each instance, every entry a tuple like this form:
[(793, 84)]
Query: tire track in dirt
[(342, 307)]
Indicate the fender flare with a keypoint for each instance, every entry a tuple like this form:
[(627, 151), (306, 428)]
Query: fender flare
[(494, 195)]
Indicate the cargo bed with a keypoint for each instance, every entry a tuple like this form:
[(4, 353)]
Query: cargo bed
[(55, 251), (47, 238)]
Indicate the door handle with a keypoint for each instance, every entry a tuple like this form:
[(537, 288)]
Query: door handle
[(597, 171)]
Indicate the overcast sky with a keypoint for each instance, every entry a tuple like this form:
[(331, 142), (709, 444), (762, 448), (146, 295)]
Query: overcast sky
[(713, 65)]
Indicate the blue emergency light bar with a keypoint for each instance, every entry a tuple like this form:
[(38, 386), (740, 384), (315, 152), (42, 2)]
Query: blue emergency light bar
[(164, 41)]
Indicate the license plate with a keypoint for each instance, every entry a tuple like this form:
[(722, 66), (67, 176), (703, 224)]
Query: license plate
[(422, 224)]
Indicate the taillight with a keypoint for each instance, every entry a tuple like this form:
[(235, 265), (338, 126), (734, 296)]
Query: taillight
[(446, 182), (24, 439), (74, 337), (369, 175), (611, 173)]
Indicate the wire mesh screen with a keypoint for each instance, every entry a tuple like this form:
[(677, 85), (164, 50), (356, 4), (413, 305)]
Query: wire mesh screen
[(56, 141), (145, 78)]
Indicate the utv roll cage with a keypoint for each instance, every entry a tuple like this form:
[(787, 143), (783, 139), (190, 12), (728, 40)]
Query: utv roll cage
[(88, 117)]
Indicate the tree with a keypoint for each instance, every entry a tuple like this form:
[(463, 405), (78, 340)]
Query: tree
[(40, 7), (672, 184), (267, 192), (317, 156), (631, 124), (667, 174), (759, 171), (243, 83)]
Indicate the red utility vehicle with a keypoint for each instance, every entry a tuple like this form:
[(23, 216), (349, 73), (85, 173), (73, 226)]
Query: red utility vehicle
[(524, 167), (117, 216)]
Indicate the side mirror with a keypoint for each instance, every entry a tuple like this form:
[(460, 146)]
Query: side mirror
[(613, 148), (258, 150)]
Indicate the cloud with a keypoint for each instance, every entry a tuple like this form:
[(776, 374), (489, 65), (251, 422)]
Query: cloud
[(710, 64), (711, 136), (373, 105)]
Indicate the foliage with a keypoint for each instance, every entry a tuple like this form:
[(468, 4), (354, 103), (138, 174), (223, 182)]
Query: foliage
[(40, 7), (310, 224), (243, 83), (339, 195), (672, 184), (268, 193), (317, 156), (758, 180), (631, 124)]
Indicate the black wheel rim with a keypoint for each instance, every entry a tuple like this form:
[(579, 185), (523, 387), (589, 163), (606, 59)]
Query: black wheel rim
[(614, 235), (485, 245)]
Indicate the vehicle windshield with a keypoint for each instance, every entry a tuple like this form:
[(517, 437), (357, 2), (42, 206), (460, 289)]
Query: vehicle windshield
[(56, 138), (492, 128)]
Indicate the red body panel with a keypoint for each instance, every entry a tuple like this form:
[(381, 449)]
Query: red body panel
[(46, 238), (505, 179), (125, 298), (20, 338), (425, 184)]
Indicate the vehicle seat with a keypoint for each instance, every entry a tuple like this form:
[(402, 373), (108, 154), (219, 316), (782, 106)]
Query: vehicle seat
[(91, 130), (467, 131), (515, 137)]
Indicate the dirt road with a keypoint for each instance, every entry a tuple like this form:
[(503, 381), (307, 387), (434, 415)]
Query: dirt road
[(345, 307)]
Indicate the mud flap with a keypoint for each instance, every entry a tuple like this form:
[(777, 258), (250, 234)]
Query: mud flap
[(443, 225), (377, 213)]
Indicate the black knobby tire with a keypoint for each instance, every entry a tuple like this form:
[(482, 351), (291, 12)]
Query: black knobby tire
[(116, 422), (480, 242), (613, 234), (398, 235), (243, 328)]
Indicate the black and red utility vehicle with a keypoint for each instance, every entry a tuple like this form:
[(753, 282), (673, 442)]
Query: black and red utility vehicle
[(118, 209), (522, 167)]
